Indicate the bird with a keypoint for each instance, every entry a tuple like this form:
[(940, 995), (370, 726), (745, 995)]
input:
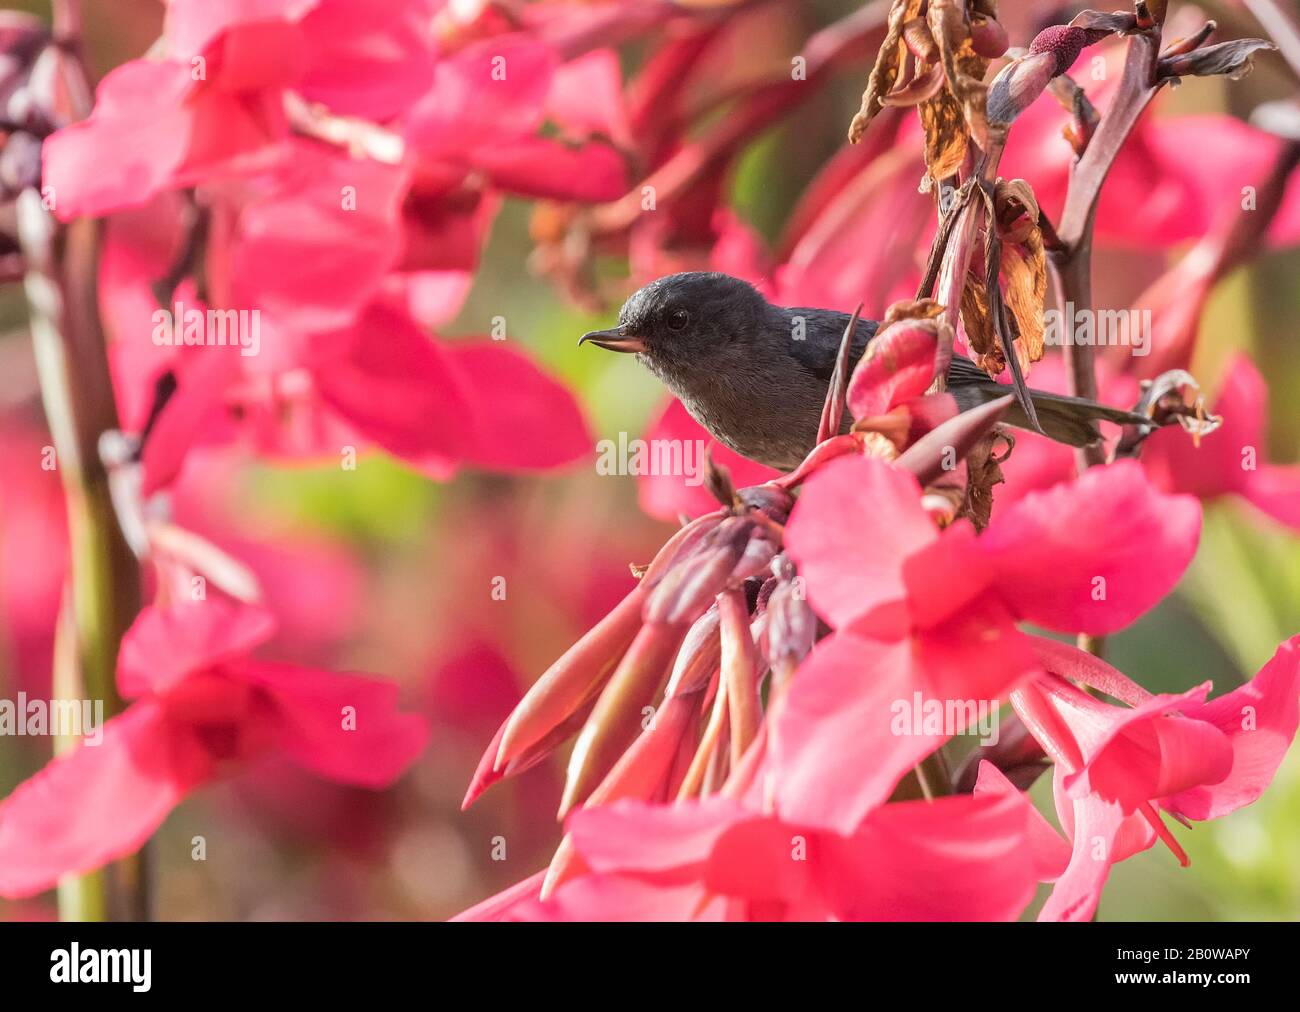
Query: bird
[(755, 375)]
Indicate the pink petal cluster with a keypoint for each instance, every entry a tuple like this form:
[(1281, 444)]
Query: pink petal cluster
[(347, 167), (200, 703), (809, 825)]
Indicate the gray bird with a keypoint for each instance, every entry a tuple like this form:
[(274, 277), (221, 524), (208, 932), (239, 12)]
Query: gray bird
[(734, 361)]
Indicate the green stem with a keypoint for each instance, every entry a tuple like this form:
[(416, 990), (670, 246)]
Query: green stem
[(103, 593)]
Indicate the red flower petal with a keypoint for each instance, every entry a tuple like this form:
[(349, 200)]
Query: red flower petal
[(1095, 825), (1276, 492), (312, 252), (856, 522), (167, 643), (490, 91), (663, 844), (844, 734), (1220, 463), (97, 803), (399, 388), (1093, 555), (369, 60), (620, 899), (1260, 721), (191, 415), (522, 419), (343, 727), (1050, 853), (899, 365), (586, 95), (129, 148), (153, 128), (550, 170), (1135, 754)]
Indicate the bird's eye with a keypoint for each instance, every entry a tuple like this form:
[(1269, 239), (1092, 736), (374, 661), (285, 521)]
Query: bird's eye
[(678, 319)]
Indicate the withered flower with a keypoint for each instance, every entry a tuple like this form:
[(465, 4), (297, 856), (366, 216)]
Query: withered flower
[(1021, 265), (935, 56)]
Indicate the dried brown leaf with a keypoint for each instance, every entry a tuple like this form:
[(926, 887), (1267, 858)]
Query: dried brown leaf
[(978, 324), (1024, 273), (945, 134), (963, 69), (982, 474), (911, 309), (1023, 268), (884, 73)]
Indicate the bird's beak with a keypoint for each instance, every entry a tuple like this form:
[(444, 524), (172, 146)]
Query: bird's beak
[(613, 340)]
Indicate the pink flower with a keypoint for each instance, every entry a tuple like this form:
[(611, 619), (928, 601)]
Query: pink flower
[(483, 113), (366, 60), (164, 124), (1117, 765), (200, 702), (1097, 835), (339, 244), (849, 240), (437, 406), (154, 128), (1090, 556), (33, 554), (1126, 755), (215, 105), (922, 611), (315, 237), (954, 859)]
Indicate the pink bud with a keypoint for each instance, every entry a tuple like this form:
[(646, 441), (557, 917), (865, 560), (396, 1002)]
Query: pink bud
[(988, 37)]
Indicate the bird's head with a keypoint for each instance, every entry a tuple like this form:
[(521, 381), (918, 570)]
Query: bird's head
[(688, 319)]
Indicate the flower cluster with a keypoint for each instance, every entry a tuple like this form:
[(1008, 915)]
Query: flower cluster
[(777, 721), (799, 808), (766, 726)]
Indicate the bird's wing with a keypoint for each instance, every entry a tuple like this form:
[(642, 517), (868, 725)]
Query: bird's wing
[(823, 332)]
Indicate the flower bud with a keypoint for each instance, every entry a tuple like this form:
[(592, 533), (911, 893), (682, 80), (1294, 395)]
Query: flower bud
[(987, 36)]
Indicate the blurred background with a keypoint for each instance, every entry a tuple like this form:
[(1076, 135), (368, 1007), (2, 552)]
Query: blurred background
[(384, 570)]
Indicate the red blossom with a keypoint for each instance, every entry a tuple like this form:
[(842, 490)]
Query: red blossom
[(200, 703), (720, 859)]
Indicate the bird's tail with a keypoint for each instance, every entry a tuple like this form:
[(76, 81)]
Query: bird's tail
[(1070, 420)]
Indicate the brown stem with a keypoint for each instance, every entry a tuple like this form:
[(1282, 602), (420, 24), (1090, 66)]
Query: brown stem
[(1071, 257), (1071, 260)]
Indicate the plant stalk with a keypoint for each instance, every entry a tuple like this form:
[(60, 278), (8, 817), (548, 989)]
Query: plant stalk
[(103, 592)]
